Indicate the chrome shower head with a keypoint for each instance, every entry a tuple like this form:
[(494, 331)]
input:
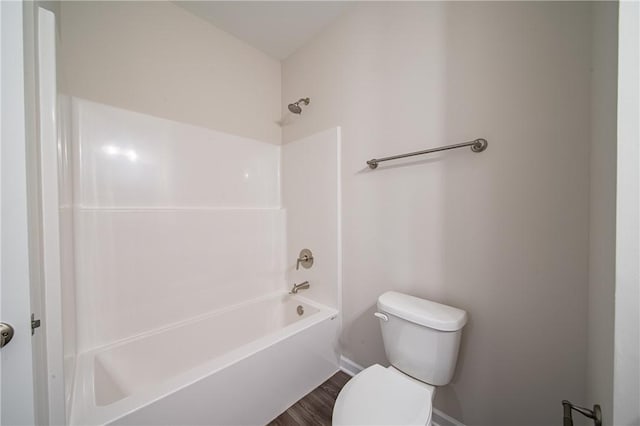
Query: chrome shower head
[(296, 108)]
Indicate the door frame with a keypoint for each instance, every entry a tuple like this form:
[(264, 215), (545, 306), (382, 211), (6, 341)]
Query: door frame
[(626, 374), (17, 404)]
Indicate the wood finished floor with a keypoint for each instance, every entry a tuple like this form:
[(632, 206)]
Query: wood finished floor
[(316, 407)]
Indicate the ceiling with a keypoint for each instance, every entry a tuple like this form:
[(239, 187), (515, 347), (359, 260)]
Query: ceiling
[(278, 28)]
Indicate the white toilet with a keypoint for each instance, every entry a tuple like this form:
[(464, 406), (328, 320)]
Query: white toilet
[(421, 340)]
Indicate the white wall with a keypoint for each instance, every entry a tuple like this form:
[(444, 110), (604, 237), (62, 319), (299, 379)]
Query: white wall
[(170, 221), (311, 196), (602, 208), (626, 388), (157, 58), (502, 234)]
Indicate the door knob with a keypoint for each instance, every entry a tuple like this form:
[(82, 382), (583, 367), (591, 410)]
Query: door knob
[(6, 334)]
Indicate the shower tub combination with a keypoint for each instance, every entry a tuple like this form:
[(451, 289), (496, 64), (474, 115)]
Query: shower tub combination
[(241, 365)]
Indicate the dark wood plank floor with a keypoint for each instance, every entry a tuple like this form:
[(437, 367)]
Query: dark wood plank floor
[(316, 407)]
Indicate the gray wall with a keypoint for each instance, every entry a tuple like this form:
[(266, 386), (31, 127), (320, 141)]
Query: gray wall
[(602, 212), (155, 57), (502, 234)]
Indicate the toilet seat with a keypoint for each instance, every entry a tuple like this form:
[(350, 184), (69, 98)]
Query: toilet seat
[(383, 396)]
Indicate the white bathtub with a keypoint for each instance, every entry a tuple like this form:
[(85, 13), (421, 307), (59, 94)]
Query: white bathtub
[(242, 365)]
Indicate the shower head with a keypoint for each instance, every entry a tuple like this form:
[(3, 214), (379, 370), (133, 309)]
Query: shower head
[(296, 108)]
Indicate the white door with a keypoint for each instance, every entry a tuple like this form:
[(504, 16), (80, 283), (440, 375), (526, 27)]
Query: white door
[(16, 369)]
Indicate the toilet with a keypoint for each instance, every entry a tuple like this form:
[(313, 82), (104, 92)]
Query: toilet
[(421, 341)]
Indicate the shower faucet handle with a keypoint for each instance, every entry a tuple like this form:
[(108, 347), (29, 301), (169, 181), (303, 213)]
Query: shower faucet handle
[(305, 258)]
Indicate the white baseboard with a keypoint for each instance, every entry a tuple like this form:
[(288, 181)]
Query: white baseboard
[(441, 419), (350, 367), (438, 419)]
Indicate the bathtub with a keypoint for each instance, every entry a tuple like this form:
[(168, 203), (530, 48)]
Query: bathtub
[(243, 365)]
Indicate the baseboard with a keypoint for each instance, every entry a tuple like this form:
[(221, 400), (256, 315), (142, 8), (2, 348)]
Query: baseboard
[(441, 419), (350, 367), (438, 419)]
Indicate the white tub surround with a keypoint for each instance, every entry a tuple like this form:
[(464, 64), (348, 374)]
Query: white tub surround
[(171, 221), (311, 195), (196, 371), (67, 258), (179, 243), (126, 159), (143, 269)]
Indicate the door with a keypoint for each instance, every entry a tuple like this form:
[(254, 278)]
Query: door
[(16, 369)]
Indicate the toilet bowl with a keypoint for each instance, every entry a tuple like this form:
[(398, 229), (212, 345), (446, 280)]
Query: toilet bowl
[(383, 396), (421, 340)]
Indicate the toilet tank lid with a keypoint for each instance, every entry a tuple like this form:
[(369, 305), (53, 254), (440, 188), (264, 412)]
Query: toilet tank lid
[(423, 312)]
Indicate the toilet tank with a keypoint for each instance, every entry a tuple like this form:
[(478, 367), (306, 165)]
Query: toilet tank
[(421, 337)]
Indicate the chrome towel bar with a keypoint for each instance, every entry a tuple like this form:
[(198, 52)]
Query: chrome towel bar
[(477, 145)]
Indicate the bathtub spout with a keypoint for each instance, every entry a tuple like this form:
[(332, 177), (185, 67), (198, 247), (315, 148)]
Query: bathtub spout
[(300, 286)]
